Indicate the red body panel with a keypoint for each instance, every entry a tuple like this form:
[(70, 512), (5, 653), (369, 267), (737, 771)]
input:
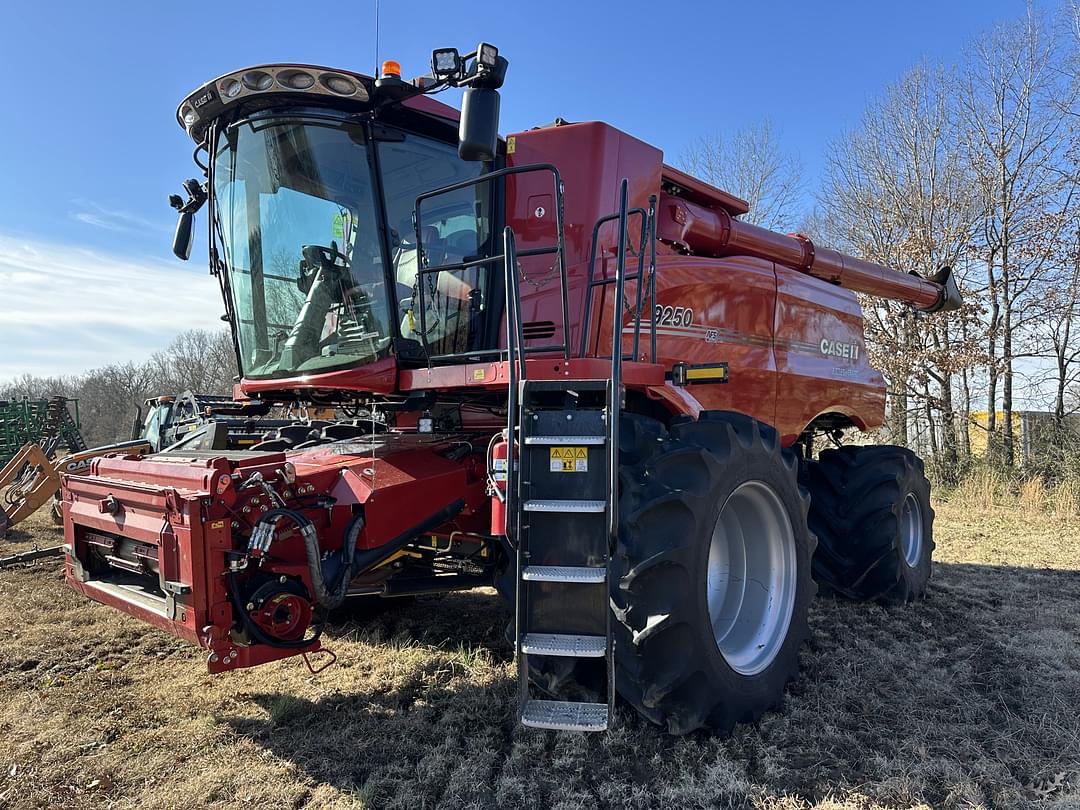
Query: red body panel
[(728, 290), (778, 371), (813, 318)]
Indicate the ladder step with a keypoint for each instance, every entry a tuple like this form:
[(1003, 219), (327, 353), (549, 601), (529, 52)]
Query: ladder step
[(565, 715), (564, 440), (564, 573), (558, 644), (564, 506)]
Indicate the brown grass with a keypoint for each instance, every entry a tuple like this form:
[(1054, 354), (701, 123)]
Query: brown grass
[(967, 700), (987, 489)]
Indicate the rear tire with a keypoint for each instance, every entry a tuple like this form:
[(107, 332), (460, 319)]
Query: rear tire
[(870, 509), (695, 648)]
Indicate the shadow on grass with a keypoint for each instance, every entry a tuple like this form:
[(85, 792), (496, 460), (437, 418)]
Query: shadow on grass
[(968, 697), (36, 530)]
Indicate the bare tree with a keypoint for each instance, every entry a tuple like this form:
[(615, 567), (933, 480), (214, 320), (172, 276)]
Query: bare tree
[(196, 359), (109, 396), (752, 164), (27, 386), (896, 192), (1016, 138), (1055, 330)]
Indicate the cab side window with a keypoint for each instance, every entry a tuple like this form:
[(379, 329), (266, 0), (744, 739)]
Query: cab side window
[(457, 226)]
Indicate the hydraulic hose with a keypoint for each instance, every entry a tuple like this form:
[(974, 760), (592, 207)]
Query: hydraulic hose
[(262, 536), (366, 560)]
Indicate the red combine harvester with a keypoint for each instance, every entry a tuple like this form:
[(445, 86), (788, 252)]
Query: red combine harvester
[(557, 365)]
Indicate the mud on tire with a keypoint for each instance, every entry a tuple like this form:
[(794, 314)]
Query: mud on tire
[(870, 509), (669, 664)]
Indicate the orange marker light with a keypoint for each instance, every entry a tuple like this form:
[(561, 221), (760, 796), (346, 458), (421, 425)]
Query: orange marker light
[(391, 68)]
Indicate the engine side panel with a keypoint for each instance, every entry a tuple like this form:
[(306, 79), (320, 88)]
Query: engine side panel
[(718, 310), (793, 344), (821, 360)]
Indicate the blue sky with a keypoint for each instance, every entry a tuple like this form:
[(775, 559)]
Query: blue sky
[(90, 148)]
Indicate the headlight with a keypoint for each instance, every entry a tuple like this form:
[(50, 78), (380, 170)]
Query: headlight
[(337, 83), (296, 79), (258, 80)]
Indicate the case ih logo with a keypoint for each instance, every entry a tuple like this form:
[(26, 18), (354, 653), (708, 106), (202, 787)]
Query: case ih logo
[(834, 348), (205, 97)]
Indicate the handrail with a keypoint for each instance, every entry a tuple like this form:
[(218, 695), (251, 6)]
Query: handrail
[(648, 239), (615, 405), (652, 279), (513, 333), (592, 283), (558, 248)]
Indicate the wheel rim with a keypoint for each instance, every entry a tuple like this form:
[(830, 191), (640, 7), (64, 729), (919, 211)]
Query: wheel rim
[(911, 530), (752, 577)]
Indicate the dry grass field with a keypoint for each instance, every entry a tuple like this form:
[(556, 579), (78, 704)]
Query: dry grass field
[(970, 699)]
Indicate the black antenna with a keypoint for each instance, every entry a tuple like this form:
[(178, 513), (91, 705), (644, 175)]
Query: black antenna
[(377, 38)]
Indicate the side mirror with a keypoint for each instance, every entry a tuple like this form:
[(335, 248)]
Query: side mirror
[(478, 130), (182, 239), (181, 243)]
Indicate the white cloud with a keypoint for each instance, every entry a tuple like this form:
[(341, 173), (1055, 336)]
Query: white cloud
[(65, 309), (90, 213)]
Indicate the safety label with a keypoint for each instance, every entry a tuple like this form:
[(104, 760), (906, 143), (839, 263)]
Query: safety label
[(569, 459)]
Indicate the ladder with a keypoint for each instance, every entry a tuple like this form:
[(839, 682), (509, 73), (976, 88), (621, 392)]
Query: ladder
[(563, 516), (564, 508)]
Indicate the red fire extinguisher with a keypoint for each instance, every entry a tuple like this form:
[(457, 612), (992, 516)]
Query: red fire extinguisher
[(497, 469)]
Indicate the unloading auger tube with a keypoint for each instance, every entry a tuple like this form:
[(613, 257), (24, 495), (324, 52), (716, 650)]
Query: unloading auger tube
[(714, 231)]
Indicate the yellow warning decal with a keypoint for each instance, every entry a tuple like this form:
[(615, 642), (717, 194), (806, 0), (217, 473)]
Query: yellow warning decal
[(478, 374), (511, 145), (569, 459), (218, 524)]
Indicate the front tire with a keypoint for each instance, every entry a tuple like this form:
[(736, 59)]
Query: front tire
[(711, 581), (870, 509)]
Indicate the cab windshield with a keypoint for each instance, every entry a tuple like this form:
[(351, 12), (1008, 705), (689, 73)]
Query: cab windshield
[(297, 222)]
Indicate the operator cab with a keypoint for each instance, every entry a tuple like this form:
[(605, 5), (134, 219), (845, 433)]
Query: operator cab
[(312, 179)]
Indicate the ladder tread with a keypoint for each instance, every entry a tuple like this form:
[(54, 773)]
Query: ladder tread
[(592, 439), (562, 715), (573, 646), (553, 505), (564, 573)]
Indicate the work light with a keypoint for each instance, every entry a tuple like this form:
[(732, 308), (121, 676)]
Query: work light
[(487, 54), (445, 62)]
